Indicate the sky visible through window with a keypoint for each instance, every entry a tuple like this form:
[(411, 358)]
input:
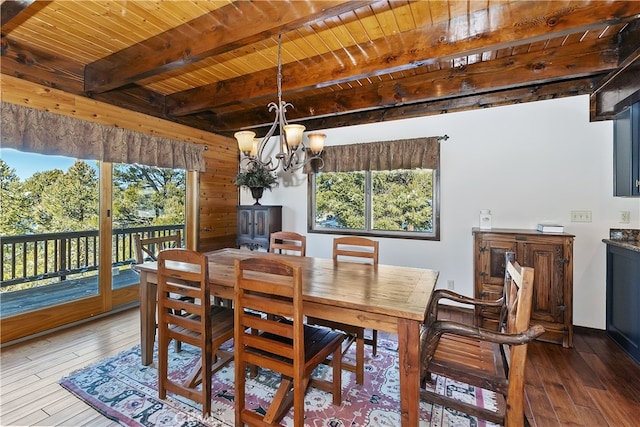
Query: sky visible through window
[(26, 164)]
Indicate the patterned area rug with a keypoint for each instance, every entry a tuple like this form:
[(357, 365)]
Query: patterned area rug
[(122, 389)]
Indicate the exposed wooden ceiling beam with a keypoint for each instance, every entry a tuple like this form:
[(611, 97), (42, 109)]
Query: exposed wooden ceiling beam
[(10, 9), (581, 86), (520, 24), (64, 74), (145, 101), (14, 12), (541, 92), (40, 67), (521, 70), (135, 98), (230, 27), (621, 87)]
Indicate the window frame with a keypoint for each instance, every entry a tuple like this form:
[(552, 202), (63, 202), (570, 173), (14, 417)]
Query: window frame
[(368, 231)]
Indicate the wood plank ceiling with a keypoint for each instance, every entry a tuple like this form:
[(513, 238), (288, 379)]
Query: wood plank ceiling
[(212, 64)]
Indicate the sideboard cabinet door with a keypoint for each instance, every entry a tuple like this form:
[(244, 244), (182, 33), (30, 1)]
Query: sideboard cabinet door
[(551, 256)]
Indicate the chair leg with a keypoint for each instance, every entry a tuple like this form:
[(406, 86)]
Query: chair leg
[(298, 401), (206, 383), (163, 360), (239, 390), (374, 341), (337, 376), (360, 357)]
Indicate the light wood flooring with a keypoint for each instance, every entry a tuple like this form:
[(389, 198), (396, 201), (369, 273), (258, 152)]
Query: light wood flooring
[(593, 384)]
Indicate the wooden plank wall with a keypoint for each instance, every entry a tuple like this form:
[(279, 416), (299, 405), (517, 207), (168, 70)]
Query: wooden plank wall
[(215, 226)]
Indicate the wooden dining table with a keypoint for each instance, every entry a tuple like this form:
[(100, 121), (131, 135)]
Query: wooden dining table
[(383, 297)]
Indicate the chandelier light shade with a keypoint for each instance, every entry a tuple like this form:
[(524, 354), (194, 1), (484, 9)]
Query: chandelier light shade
[(292, 153), (245, 141), (293, 135), (316, 142)]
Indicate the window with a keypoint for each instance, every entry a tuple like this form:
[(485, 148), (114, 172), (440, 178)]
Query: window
[(386, 188)]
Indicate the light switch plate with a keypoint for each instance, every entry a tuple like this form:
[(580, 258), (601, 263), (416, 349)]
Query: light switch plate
[(580, 216)]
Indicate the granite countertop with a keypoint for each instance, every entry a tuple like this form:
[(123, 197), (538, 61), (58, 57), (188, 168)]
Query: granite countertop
[(624, 238)]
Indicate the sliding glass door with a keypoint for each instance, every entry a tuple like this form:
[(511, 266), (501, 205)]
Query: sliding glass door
[(66, 236), (147, 201)]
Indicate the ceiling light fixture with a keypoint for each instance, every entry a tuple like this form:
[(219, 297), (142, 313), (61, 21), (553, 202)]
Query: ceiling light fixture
[(292, 154)]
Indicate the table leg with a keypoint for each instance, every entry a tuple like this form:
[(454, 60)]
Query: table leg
[(409, 364), (148, 293)]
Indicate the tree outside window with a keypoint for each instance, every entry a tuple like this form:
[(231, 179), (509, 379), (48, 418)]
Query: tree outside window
[(147, 195)]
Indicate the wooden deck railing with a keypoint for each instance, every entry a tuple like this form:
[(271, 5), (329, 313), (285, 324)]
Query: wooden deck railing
[(54, 256)]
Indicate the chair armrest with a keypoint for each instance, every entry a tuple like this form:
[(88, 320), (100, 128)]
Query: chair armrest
[(439, 294), (430, 337)]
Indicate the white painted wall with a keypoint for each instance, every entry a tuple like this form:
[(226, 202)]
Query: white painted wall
[(528, 163)]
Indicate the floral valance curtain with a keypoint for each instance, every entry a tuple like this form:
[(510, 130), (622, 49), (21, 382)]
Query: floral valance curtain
[(384, 155), (38, 131)]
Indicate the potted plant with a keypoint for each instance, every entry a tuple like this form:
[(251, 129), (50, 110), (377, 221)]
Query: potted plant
[(256, 177)]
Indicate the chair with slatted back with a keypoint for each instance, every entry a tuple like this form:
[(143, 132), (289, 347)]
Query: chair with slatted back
[(147, 249), (493, 360), (354, 249), (278, 339), (183, 288), (288, 242)]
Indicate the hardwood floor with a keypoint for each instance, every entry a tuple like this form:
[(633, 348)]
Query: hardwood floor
[(29, 390), (593, 384)]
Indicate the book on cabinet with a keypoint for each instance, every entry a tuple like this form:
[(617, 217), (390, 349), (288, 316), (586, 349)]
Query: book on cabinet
[(550, 228)]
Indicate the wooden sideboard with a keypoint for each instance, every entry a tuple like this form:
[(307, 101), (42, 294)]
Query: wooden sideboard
[(551, 256)]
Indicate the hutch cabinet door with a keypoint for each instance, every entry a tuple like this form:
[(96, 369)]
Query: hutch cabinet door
[(245, 224), (490, 261), (261, 224), (548, 293)]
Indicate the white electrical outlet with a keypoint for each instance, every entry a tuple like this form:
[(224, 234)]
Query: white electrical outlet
[(580, 216), (450, 284), (625, 217)]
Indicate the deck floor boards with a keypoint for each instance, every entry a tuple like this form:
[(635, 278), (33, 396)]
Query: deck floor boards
[(31, 299)]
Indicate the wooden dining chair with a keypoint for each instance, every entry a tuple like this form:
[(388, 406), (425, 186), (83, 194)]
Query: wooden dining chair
[(185, 314), (278, 339), (147, 249), (288, 242), (355, 249), (493, 360)]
